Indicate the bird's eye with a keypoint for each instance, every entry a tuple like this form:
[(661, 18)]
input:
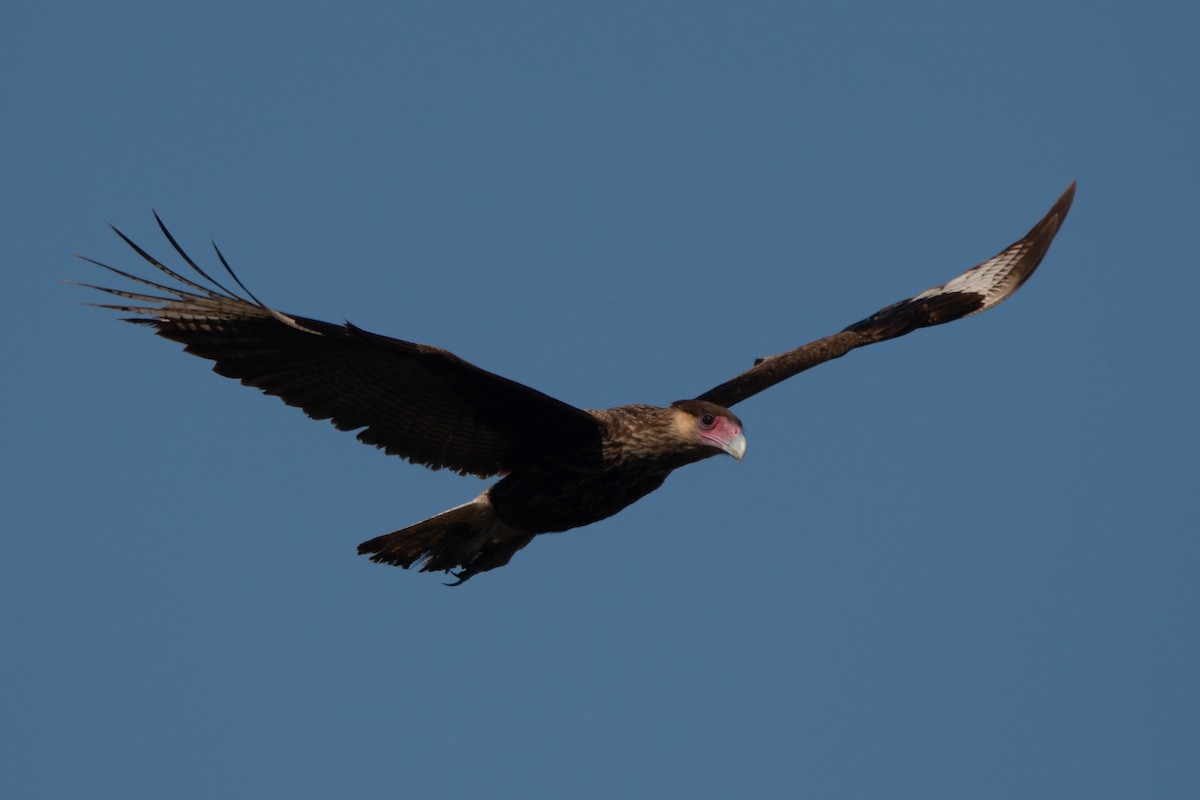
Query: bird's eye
[(707, 421)]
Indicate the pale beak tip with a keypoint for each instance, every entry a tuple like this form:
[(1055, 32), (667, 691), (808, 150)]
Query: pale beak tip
[(736, 447)]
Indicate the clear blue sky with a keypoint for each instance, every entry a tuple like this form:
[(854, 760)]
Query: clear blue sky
[(960, 564)]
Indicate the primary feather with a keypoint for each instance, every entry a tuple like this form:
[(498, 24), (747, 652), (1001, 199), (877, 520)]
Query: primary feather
[(412, 400)]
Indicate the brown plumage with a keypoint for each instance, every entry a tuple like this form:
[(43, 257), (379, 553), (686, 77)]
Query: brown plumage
[(562, 467)]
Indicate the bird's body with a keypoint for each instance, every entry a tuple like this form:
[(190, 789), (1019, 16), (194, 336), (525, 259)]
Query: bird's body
[(562, 467), (641, 445), (564, 488)]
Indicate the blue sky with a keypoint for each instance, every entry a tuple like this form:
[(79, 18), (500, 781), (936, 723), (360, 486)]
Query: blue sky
[(960, 564)]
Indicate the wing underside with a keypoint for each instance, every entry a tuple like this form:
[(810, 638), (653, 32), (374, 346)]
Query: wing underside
[(978, 289), (412, 400)]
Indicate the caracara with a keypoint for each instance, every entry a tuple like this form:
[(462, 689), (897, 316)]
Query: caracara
[(561, 466)]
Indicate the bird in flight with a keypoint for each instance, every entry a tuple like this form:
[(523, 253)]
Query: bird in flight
[(560, 467)]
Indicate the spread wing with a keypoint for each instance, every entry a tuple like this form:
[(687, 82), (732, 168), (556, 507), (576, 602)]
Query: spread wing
[(977, 289), (412, 400)]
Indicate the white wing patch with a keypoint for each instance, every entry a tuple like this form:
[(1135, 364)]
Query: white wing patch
[(994, 279)]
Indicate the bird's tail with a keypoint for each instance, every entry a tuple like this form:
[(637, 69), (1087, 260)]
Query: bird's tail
[(470, 536)]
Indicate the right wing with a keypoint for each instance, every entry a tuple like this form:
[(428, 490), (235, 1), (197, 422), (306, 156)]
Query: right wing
[(975, 290)]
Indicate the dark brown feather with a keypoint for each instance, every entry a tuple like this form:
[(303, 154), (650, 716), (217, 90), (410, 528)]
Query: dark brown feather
[(412, 400), (979, 288)]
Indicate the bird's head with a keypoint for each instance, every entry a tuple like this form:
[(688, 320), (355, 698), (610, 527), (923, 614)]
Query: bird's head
[(710, 426)]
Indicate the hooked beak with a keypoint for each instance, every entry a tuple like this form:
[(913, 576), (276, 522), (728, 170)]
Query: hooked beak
[(736, 446)]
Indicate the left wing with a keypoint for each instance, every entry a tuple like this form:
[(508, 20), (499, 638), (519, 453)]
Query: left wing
[(977, 289), (412, 400)]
